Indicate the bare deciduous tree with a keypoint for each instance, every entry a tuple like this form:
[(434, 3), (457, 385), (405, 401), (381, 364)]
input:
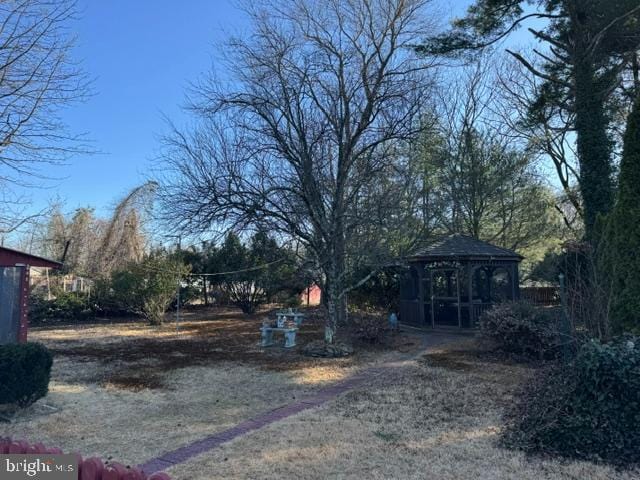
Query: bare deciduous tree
[(37, 78), (480, 180), (550, 134), (17, 218), (323, 97)]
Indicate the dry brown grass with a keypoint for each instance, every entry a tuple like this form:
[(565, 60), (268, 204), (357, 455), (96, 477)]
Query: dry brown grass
[(131, 391), (435, 419), (134, 355)]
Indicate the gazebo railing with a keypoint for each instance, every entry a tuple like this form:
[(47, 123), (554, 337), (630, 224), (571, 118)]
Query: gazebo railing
[(479, 309), (409, 312)]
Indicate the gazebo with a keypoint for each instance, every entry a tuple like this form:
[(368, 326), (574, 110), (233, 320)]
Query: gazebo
[(456, 278)]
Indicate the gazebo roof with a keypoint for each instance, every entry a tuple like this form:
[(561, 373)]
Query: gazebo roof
[(463, 247)]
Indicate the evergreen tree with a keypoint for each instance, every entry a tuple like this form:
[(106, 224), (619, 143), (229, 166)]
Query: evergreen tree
[(625, 253)]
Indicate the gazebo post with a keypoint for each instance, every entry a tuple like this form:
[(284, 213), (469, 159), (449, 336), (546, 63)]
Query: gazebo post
[(433, 316), (420, 269), (459, 299), (515, 282), (471, 271)]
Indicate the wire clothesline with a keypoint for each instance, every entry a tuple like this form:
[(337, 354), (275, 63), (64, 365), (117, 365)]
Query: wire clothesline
[(259, 267)]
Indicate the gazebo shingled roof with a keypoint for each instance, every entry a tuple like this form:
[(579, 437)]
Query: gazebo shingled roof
[(460, 246), (464, 268)]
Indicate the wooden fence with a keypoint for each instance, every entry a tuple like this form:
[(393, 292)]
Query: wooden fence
[(88, 468), (541, 295)]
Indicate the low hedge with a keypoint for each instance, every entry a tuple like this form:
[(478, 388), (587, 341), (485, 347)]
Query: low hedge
[(66, 306), (25, 369), (588, 409)]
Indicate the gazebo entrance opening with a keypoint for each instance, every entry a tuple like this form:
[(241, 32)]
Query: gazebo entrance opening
[(455, 279)]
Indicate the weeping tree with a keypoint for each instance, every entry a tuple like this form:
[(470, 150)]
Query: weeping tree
[(123, 239), (587, 51), (310, 131), (72, 240), (93, 246)]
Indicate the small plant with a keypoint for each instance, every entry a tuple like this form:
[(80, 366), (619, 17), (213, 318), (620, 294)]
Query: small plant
[(522, 329), (24, 373), (588, 409), (369, 328)]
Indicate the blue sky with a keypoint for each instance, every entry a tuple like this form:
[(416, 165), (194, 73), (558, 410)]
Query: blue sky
[(142, 55)]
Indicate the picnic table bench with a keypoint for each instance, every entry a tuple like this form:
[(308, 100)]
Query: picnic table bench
[(289, 335)]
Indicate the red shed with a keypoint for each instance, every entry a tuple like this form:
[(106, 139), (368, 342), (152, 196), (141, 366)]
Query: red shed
[(312, 295), (14, 292)]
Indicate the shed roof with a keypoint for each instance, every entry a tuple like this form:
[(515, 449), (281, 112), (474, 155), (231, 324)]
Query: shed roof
[(458, 246), (10, 257)]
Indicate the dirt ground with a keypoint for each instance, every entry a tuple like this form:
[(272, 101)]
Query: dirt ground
[(438, 418), (129, 391)]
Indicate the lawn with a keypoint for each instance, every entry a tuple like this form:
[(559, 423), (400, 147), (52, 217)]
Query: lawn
[(130, 392), (438, 418)]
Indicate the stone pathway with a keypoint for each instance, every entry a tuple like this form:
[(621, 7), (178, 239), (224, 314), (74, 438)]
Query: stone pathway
[(324, 395)]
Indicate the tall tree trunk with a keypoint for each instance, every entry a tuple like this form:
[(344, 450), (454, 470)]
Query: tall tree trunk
[(593, 142), (336, 302)]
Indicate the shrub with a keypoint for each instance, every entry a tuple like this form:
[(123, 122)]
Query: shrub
[(148, 287), (257, 272), (368, 328), (189, 292), (588, 409), (379, 292), (65, 306), (24, 373), (292, 301), (522, 329)]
